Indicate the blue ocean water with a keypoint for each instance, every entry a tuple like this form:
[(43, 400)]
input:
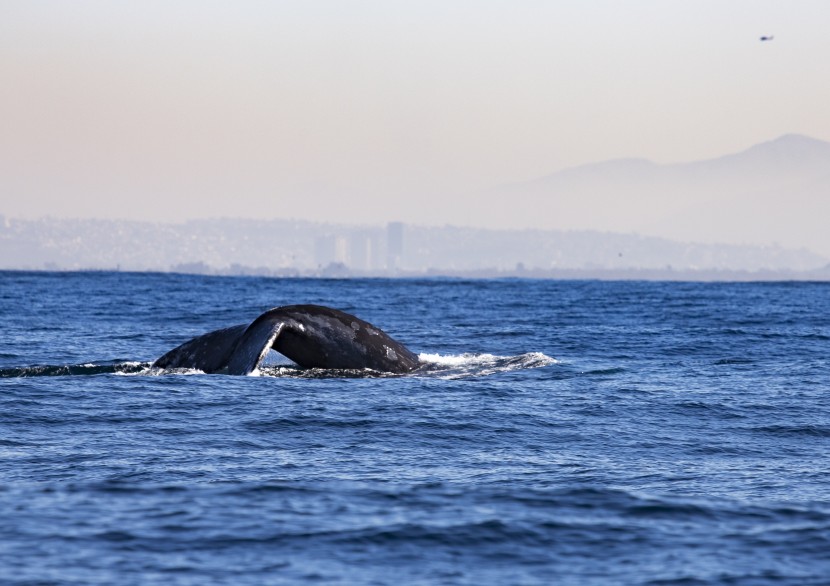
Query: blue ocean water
[(563, 433)]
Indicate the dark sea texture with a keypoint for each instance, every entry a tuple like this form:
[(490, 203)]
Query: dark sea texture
[(561, 433)]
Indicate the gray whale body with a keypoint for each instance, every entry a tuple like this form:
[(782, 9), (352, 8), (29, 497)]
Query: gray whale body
[(313, 336)]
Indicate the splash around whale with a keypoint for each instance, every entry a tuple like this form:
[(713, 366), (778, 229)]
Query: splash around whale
[(313, 336), (321, 341)]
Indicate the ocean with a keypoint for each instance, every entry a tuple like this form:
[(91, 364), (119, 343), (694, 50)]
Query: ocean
[(560, 432)]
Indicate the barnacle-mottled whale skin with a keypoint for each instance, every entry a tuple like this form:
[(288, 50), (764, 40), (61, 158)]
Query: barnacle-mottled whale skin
[(313, 336)]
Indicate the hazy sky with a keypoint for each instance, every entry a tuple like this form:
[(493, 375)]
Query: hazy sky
[(376, 110)]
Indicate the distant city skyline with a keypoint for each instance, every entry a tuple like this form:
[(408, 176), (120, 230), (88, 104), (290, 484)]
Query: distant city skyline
[(376, 111), (301, 248)]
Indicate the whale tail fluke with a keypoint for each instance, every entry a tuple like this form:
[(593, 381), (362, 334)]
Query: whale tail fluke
[(208, 352), (313, 336), (253, 345)]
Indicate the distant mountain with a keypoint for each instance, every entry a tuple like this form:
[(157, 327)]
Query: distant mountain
[(774, 192)]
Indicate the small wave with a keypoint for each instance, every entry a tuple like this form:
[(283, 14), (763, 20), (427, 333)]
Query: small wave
[(606, 371), (470, 534), (733, 361), (88, 369), (794, 430)]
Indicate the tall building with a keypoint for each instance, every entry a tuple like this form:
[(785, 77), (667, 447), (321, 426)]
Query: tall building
[(394, 245), (362, 247), (331, 248)]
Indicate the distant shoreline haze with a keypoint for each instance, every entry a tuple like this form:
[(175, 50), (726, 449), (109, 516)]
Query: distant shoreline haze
[(762, 209), (775, 193), (294, 248)]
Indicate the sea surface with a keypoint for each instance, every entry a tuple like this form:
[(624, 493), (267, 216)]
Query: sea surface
[(560, 432)]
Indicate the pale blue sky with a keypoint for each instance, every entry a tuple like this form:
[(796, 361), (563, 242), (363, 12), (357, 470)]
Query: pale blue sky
[(346, 111)]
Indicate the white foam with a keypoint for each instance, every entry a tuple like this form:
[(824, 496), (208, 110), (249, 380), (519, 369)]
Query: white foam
[(154, 371), (459, 359), (531, 359), (540, 358)]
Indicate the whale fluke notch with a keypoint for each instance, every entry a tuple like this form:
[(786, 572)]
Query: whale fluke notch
[(313, 336)]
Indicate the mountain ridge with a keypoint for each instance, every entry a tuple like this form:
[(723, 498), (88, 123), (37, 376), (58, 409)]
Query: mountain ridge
[(788, 144), (771, 192)]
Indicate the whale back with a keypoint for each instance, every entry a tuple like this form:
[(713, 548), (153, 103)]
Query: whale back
[(321, 337)]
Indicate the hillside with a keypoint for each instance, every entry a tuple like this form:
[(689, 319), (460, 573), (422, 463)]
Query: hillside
[(774, 192)]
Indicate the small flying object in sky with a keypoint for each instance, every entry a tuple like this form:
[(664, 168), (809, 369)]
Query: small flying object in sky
[(767, 38)]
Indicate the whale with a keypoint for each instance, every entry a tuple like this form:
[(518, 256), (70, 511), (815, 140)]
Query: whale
[(313, 336)]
